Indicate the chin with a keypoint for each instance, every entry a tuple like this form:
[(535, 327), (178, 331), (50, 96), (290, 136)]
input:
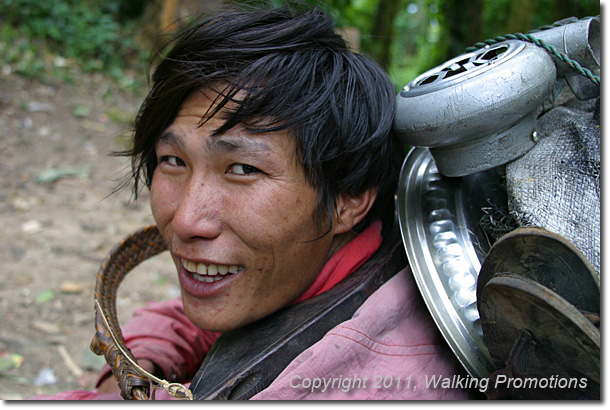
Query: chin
[(211, 321)]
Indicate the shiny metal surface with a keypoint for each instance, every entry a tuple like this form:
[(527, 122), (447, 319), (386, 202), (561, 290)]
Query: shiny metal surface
[(477, 111), (581, 41), (439, 218)]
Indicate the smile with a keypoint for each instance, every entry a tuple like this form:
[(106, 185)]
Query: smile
[(208, 272)]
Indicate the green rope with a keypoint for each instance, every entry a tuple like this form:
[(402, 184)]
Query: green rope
[(549, 48), (558, 24)]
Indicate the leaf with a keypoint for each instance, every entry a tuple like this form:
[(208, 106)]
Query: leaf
[(119, 115), (10, 361), (81, 110), (93, 126), (46, 296), (54, 174)]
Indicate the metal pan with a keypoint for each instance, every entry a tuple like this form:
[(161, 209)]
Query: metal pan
[(439, 220)]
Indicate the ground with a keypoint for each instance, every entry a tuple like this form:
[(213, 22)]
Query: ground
[(59, 218)]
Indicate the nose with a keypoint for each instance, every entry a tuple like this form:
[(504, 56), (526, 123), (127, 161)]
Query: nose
[(198, 213)]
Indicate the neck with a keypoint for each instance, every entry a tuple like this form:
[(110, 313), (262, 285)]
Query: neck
[(339, 241)]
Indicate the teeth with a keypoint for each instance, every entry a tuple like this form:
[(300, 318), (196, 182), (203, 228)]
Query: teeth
[(207, 279), (212, 270), (208, 273), (189, 266)]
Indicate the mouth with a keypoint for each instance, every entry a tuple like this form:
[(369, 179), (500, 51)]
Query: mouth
[(210, 272)]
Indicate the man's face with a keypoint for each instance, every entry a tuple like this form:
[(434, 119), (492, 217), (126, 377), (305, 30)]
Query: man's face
[(237, 214)]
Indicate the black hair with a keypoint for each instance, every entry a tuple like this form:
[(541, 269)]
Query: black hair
[(292, 72)]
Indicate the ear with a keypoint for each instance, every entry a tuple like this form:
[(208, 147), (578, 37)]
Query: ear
[(352, 209)]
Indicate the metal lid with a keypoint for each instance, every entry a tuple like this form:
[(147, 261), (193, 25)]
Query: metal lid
[(477, 111), (438, 219)]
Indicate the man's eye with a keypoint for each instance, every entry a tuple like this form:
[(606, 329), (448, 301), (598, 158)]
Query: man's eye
[(172, 160), (242, 169)]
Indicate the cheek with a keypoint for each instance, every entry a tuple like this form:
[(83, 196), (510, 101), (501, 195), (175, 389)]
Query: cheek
[(286, 217), (162, 201)]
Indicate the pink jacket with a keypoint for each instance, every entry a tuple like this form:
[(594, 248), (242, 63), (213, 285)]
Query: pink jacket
[(389, 350)]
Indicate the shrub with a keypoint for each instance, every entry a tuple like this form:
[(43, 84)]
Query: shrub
[(87, 31)]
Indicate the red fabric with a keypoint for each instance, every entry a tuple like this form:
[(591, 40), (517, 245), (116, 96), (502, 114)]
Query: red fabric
[(345, 261)]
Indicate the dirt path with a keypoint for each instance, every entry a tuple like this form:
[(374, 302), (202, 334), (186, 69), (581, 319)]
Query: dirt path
[(57, 223)]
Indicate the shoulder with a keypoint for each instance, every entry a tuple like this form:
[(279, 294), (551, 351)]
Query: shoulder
[(389, 350)]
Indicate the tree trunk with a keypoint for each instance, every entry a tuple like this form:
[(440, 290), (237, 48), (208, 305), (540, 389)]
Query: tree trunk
[(383, 31), (465, 24), (161, 17), (521, 13)]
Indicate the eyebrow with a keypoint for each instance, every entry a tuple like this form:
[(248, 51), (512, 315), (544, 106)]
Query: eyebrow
[(221, 143), (236, 143), (169, 138)]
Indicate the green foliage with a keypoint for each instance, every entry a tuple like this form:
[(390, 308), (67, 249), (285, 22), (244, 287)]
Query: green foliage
[(84, 31), (19, 51), (422, 35), (39, 35), (543, 12), (420, 42), (359, 14)]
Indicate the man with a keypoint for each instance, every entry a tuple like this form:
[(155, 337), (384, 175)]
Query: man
[(268, 151)]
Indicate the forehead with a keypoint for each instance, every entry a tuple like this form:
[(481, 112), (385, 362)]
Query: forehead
[(202, 106), (194, 119), (200, 103)]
